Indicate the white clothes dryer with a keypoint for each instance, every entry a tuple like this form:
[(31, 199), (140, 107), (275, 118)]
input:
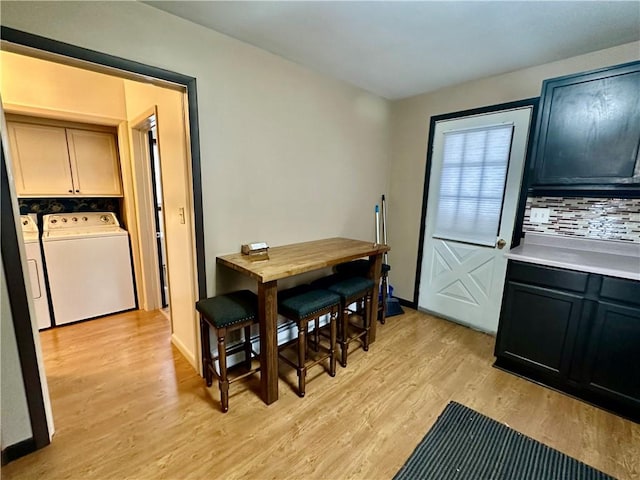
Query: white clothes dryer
[(31, 236), (88, 265)]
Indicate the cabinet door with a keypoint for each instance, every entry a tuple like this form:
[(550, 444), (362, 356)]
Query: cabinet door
[(538, 328), (612, 365), (94, 163), (40, 160), (589, 129)]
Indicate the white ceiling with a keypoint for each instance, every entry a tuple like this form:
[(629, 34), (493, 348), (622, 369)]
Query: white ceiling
[(398, 49)]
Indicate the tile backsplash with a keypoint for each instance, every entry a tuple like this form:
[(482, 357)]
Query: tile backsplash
[(603, 218)]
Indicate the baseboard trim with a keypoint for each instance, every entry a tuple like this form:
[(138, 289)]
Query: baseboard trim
[(184, 351), (407, 303), (17, 450)]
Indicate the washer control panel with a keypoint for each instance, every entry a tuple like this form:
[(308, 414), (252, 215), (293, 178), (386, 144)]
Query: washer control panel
[(83, 220), (29, 224)]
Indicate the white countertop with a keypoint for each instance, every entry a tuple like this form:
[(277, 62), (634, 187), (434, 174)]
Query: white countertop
[(613, 258)]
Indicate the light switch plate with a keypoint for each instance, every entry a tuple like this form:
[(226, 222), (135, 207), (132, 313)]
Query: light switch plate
[(539, 215)]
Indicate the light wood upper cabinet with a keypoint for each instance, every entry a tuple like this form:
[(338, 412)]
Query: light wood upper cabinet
[(51, 161), (94, 163), (40, 160)]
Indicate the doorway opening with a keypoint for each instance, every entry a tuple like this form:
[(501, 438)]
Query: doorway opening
[(147, 162), (154, 162), (190, 213)]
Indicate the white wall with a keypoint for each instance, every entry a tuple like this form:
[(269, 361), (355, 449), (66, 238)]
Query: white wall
[(410, 132), (287, 155)]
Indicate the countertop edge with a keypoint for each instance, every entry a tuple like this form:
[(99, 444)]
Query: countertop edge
[(571, 266)]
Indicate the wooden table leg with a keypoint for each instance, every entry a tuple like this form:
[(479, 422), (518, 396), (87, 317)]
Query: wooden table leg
[(268, 311), (375, 268)]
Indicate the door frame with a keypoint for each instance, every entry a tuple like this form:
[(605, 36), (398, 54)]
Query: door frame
[(158, 214), (55, 47), (12, 263), (150, 286), (526, 176)]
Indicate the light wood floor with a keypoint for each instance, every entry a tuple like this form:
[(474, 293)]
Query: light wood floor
[(127, 405)]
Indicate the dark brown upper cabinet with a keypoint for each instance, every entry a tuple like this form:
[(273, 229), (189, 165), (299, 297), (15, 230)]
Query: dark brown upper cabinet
[(588, 134)]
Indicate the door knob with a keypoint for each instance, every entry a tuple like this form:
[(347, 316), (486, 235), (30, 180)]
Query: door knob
[(501, 244)]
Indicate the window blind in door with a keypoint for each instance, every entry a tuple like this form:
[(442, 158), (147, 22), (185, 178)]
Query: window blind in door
[(472, 182)]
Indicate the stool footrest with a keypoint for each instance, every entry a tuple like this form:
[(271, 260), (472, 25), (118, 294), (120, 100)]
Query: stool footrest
[(360, 334), (214, 360), (287, 361), (234, 350), (244, 375), (309, 363)]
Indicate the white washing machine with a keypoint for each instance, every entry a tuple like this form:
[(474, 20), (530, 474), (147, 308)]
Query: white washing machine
[(31, 236), (88, 265)]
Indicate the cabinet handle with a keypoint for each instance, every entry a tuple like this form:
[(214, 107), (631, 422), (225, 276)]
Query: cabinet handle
[(70, 191), (77, 191)]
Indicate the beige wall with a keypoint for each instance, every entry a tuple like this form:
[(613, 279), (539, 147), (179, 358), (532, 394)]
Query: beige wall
[(287, 155), (410, 131)]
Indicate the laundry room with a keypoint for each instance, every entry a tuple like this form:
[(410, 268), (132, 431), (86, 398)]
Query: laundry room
[(100, 169)]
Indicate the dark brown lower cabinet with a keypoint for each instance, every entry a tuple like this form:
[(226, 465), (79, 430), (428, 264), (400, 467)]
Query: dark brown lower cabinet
[(612, 360), (540, 327), (575, 332)]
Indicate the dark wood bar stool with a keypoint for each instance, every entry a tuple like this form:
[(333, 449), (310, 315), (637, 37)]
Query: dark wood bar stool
[(302, 305), (360, 268), (358, 290), (226, 314)]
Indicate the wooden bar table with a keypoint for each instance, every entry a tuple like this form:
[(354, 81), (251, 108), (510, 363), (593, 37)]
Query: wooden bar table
[(287, 261)]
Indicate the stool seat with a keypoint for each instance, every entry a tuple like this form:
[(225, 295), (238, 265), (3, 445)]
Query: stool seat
[(361, 268), (303, 304), (225, 310), (307, 303), (226, 314), (352, 289)]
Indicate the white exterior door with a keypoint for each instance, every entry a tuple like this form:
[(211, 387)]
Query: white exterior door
[(475, 181)]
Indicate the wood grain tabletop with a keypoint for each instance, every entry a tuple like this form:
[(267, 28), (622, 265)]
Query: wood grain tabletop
[(289, 260)]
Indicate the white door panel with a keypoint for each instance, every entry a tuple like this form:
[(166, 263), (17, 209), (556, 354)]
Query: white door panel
[(463, 280)]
